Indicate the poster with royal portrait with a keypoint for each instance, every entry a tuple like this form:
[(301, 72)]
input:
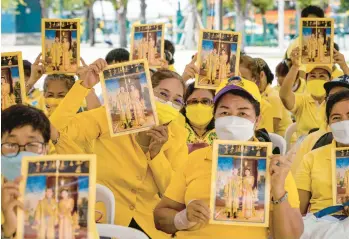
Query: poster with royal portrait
[(60, 45), (218, 57), (148, 42), (12, 79), (317, 40), (240, 183), (129, 99), (58, 193), (340, 175)]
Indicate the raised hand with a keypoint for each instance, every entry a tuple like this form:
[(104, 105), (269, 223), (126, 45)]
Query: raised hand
[(191, 69), (90, 74), (198, 211), (296, 57), (280, 166), (9, 205), (158, 137), (37, 70)]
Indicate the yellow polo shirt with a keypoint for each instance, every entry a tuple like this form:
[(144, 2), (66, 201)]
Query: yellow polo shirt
[(194, 182), (315, 175), (131, 175), (308, 114), (272, 96), (305, 147), (268, 115)]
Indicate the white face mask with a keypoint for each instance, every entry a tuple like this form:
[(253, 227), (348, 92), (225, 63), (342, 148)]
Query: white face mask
[(340, 131), (234, 128)]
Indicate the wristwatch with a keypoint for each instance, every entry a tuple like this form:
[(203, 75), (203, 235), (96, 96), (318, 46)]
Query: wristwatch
[(283, 198)]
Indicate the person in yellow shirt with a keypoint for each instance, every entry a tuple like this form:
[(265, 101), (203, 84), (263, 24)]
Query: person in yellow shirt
[(308, 108), (184, 209), (146, 160), (249, 70), (25, 131), (282, 117), (198, 113), (332, 87), (314, 176)]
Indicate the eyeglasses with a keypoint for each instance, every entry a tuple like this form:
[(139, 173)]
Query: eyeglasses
[(12, 149), (204, 101), (164, 97)]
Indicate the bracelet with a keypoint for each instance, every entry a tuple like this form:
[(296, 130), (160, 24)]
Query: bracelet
[(56, 140), (283, 198)]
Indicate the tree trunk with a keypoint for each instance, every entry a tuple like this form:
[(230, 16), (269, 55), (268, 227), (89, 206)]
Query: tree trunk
[(43, 9), (122, 26), (91, 20), (240, 22), (264, 20), (143, 8)]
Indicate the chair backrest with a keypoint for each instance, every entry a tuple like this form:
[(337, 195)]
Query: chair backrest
[(288, 134), (119, 232), (106, 196), (278, 141)]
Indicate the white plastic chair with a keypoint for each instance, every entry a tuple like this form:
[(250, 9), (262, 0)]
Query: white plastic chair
[(278, 141), (106, 196), (288, 134), (120, 232)]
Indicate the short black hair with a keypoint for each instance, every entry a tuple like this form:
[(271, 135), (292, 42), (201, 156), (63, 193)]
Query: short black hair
[(263, 66), (282, 69), (169, 51), (18, 116), (334, 99), (27, 67), (117, 55), (245, 95), (313, 10), (188, 92)]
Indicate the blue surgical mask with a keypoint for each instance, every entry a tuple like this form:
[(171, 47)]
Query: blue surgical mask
[(11, 166)]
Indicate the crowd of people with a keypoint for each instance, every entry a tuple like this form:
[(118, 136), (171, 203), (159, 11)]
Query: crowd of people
[(161, 178)]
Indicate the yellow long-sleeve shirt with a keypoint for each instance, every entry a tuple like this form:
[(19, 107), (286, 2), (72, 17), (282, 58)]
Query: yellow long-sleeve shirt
[(122, 166)]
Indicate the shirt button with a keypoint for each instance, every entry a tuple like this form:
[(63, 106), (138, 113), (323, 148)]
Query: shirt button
[(134, 191), (132, 207)]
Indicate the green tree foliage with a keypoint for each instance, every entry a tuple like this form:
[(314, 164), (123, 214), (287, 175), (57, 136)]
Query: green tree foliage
[(344, 6), (11, 5), (263, 5)]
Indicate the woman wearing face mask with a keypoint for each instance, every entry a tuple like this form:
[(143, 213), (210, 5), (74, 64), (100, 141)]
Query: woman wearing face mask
[(184, 208), (136, 167), (314, 176), (25, 131), (199, 116), (308, 108)]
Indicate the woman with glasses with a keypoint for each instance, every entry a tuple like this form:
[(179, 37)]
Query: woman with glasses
[(136, 167), (198, 113)]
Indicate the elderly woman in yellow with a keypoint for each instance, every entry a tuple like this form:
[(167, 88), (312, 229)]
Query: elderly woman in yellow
[(249, 70), (146, 160), (65, 209), (137, 105), (247, 194), (199, 117), (184, 208), (314, 176)]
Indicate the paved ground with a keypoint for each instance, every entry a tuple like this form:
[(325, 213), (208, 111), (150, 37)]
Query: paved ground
[(271, 55)]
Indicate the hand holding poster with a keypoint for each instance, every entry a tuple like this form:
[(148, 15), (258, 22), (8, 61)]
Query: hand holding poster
[(218, 57), (129, 98), (240, 183), (58, 193), (61, 45)]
